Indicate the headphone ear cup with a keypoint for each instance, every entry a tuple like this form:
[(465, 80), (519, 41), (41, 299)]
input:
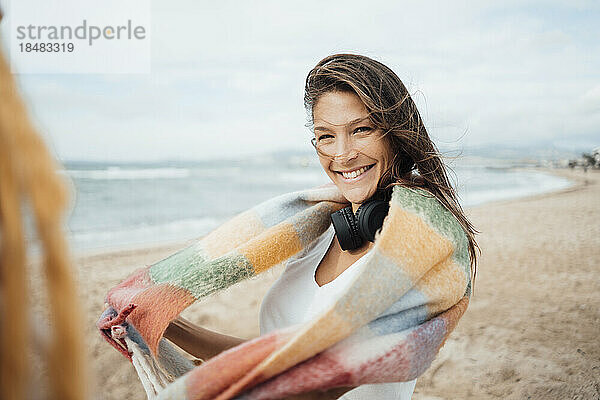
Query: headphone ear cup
[(370, 216), (346, 228)]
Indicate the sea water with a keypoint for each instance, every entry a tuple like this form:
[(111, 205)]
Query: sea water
[(117, 204)]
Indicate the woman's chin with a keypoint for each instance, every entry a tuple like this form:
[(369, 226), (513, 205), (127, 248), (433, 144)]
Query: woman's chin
[(356, 195)]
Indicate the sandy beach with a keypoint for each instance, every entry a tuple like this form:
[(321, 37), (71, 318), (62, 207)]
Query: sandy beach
[(531, 330)]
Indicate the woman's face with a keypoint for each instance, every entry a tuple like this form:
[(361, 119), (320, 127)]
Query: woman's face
[(341, 115)]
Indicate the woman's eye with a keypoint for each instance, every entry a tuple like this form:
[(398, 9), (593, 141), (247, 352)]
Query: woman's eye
[(324, 137), (363, 129)]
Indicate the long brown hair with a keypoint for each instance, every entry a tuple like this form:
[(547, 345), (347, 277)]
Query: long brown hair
[(417, 162)]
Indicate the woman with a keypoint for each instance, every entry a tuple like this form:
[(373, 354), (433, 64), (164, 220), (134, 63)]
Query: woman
[(369, 137)]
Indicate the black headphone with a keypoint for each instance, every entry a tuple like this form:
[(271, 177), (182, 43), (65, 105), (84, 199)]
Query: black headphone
[(353, 229)]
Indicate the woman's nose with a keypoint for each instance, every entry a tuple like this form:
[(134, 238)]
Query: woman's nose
[(345, 152), (343, 144), (343, 159)]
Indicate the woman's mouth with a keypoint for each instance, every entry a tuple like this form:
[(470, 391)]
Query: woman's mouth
[(356, 174)]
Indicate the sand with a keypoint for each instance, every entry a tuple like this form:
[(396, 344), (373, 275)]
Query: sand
[(531, 330)]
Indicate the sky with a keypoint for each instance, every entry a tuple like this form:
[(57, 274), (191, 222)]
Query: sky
[(227, 78)]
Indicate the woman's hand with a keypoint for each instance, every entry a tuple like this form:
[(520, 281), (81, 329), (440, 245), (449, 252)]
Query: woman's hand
[(197, 341)]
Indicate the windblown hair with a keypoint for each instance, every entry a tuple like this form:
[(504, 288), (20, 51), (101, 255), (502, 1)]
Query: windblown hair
[(28, 175), (416, 162)]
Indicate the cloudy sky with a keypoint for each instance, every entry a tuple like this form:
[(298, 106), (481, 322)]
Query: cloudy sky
[(227, 77)]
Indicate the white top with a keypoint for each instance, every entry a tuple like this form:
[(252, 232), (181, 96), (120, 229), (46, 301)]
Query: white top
[(296, 297)]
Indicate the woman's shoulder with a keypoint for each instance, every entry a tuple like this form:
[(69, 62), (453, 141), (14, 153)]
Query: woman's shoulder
[(422, 202), (417, 199)]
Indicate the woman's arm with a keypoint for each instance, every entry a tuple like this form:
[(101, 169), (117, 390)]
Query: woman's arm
[(197, 341), (204, 344), (330, 394)]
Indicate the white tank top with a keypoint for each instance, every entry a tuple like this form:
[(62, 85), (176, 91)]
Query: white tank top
[(296, 297)]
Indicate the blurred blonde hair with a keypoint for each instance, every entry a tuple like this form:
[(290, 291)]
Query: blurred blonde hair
[(28, 176)]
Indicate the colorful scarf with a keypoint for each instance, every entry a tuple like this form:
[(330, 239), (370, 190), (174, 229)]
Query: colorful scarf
[(387, 325)]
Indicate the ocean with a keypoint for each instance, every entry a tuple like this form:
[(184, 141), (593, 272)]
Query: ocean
[(118, 205)]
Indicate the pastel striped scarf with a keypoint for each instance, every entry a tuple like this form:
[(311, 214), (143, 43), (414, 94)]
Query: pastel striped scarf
[(387, 326)]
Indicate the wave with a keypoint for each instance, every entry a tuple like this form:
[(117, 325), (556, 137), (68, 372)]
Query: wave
[(523, 184), (178, 230), (115, 173)]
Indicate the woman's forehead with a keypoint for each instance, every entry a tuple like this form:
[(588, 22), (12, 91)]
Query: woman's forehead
[(339, 109), (325, 125)]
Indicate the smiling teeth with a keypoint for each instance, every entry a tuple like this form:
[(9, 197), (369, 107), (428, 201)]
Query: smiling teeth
[(354, 174)]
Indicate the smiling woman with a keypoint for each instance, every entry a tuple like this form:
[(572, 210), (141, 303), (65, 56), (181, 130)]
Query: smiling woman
[(369, 137), (362, 320)]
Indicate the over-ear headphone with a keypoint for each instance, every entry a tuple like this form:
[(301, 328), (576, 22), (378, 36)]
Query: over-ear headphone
[(353, 229)]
